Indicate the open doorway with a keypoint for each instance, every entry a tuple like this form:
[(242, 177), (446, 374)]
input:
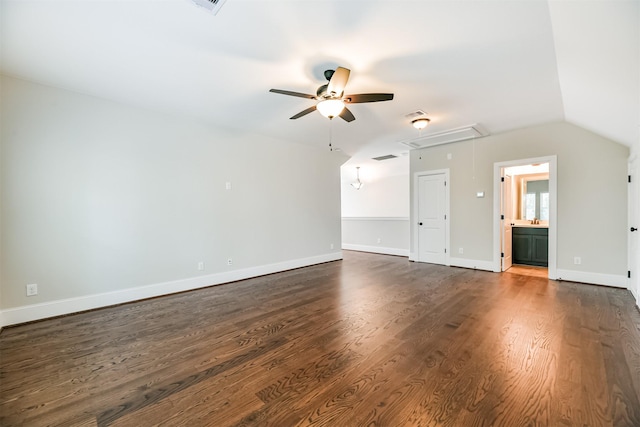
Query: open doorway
[(525, 209), (525, 206)]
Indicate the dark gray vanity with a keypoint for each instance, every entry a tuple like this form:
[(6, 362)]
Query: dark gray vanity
[(530, 245)]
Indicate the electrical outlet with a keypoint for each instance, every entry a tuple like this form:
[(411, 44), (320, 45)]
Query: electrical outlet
[(227, 185), (229, 261), (331, 246), (379, 240), (32, 290), (577, 260), (460, 250), (201, 266)]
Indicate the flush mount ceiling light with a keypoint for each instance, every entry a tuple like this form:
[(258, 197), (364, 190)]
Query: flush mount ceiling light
[(358, 184), (420, 123), (330, 108)]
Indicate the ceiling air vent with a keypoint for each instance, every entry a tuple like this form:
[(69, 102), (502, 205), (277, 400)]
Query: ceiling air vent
[(446, 137), (212, 6), (387, 157), (415, 114)]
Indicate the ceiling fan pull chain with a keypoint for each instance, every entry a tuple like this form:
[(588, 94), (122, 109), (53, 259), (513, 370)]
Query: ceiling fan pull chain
[(330, 133)]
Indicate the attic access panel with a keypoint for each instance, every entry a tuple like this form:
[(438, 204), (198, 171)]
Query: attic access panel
[(446, 137)]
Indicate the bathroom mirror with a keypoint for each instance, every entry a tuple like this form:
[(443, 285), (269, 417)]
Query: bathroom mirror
[(533, 197)]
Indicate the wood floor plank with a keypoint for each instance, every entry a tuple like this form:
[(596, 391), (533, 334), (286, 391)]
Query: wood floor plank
[(370, 340)]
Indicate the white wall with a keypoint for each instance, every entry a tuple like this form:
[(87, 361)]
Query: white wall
[(592, 195), (376, 217), (380, 196), (383, 235), (102, 202)]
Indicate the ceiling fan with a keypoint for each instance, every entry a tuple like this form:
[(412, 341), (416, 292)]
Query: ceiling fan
[(331, 99)]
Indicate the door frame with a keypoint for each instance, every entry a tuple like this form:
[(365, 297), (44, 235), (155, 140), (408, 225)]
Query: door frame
[(415, 232), (553, 210)]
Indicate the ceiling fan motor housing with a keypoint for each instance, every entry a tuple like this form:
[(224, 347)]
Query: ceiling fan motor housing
[(322, 91), (328, 74)]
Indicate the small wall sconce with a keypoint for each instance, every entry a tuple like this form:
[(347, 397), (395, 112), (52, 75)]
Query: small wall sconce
[(358, 184)]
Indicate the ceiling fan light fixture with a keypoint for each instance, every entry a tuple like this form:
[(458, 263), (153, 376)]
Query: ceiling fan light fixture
[(330, 108), (420, 123), (331, 102)]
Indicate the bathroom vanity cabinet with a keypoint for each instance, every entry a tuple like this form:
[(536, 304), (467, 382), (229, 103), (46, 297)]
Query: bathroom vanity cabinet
[(530, 246)]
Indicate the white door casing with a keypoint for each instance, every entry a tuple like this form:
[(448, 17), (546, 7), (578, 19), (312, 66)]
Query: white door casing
[(432, 217), (507, 212), (553, 214)]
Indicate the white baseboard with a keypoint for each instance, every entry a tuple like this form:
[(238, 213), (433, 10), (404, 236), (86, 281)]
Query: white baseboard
[(376, 249), (375, 218), (29, 313), (618, 281), (471, 263)]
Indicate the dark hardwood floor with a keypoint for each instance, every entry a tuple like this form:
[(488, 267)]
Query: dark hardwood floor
[(372, 340)]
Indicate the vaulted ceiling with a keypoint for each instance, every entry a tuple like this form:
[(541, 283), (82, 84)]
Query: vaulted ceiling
[(503, 64)]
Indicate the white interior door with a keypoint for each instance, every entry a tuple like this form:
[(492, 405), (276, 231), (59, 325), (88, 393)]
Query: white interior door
[(507, 222), (634, 261), (432, 210)]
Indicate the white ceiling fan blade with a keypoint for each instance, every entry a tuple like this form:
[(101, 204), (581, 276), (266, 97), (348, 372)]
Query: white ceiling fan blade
[(338, 82)]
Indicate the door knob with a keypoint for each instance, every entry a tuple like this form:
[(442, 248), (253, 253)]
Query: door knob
[(633, 229), (419, 223)]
